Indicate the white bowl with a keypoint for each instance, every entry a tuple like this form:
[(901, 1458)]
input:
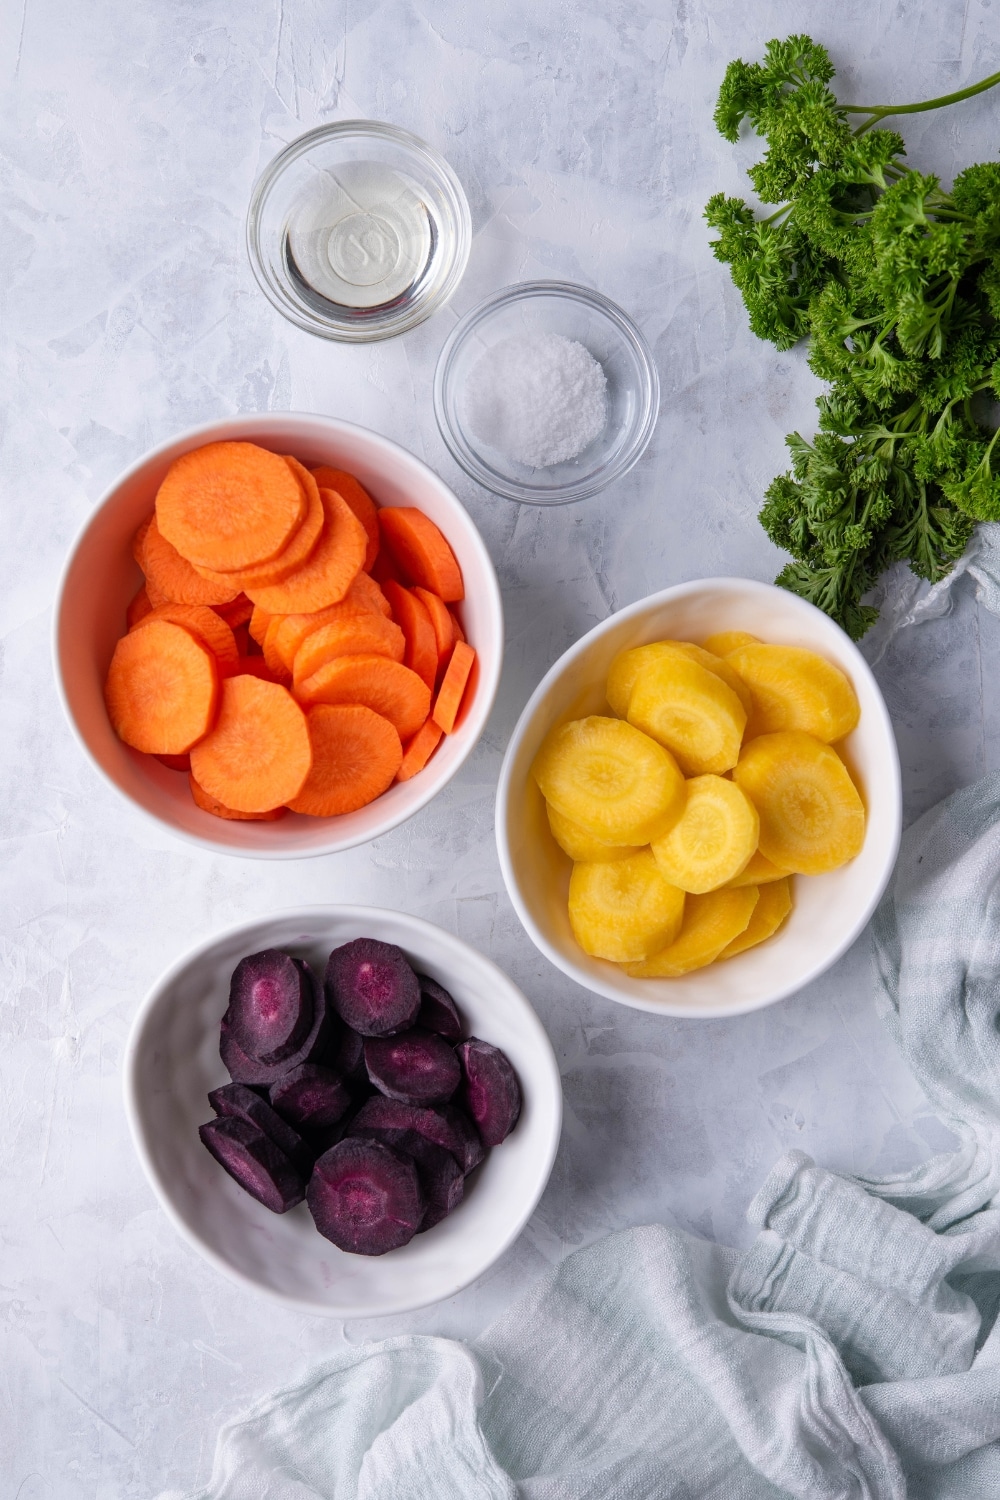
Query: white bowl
[(101, 576), (172, 1061), (830, 910)]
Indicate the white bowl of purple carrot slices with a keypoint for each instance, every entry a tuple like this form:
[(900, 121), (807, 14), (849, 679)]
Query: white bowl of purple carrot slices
[(344, 1107)]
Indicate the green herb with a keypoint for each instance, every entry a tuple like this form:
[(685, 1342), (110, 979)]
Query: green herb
[(896, 285)]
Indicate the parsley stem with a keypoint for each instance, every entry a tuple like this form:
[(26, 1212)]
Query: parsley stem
[(879, 111)]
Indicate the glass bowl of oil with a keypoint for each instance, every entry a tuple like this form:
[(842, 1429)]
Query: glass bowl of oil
[(358, 231)]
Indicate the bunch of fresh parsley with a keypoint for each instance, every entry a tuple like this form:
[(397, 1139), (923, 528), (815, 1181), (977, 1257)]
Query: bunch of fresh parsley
[(896, 285)]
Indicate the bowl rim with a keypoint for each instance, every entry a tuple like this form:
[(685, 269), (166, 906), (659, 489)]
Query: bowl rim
[(467, 457), (408, 922), (893, 793), (387, 325), (249, 423)]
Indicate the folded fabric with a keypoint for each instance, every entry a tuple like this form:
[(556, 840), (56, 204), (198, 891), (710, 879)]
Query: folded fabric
[(851, 1352)]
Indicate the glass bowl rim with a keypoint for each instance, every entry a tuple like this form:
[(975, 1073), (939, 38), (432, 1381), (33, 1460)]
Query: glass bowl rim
[(391, 324), (468, 458)]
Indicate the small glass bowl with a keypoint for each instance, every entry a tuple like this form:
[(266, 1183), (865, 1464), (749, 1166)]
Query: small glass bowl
[(358, 231), (633, 389)]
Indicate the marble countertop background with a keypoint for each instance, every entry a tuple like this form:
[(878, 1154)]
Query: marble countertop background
[(130, 136)]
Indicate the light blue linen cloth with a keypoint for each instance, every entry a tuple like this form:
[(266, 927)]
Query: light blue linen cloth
[(851, 1352)]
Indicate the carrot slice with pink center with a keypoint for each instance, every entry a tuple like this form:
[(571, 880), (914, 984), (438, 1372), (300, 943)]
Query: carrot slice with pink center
[(258, 754), (328, 574), (358, 498), (173, 578), (367, 634), (229, 505), (203, 623), (162, 689), (421, 645), (356, 754), (452, 690), (218, 809), (385, 686), (420, 749), (421, 551)]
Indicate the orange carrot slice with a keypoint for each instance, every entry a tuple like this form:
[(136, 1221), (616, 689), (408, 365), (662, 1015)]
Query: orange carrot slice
[(139, 606), (259, 621), (295, 628), (299, 548), (421, 551), (420, 749), (356, 754), (364, 590), (366, 634), (236, 613), (162, 689), (205, 625), (230, 505), (443, 623), (258, 754), (358, 498), (173, 577), (272, 658), (459, 632), (175, 762), (385, 686), (449, 698), (254, 666), (412, 617), (327, 575), (138, 541), (218, 809)]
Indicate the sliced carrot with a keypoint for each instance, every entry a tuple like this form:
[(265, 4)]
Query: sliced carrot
[(176, 762), (412, 617), (364, 590), (259, 621), (257, 755), (236, 613), (326, 577), (275, 665), (385, 686), (230, 505), (173, 576), (365, 634), (139, 606), (295, 628), (358, 498), (443, 623), (420, 749), (254, 666), (205, 625), (459, 632), (218, 809), (421, 551), (162, 689), (449, 698), (300, 546), (138, 541), (356, 754)]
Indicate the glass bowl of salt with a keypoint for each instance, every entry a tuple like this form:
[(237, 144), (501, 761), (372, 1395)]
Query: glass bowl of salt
[(546, 392), (358, 231)]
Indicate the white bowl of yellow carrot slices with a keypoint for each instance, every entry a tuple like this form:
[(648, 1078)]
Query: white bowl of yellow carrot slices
[(279, 635), (700, 805)]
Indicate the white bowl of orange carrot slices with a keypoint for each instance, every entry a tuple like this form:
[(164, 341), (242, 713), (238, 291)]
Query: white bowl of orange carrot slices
[(700, 805), (279, 635)]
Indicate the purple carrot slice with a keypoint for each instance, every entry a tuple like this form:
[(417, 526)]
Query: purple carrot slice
[(438, 1011), (347, 1057), (447, 1126), (490, 1090), (310, 1097), (242, 1103), (415, 1067), (366, 1197), (371, 986), (271, 1005), (244, 1069), (253, 1160)]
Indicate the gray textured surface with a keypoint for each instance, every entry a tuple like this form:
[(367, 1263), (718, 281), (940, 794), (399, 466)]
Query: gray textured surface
[(131, 135)]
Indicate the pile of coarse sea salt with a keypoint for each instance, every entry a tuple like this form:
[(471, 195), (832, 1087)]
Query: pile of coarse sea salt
[(539, 399)]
